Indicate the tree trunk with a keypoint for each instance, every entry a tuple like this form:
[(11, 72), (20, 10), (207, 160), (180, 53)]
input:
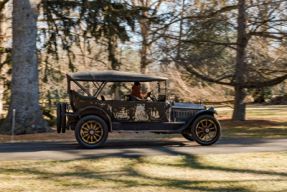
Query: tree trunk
[(239, 104), (145, 26), (144, 52), (145, 47), (240, 93), (144, 64), (3, 56), (115, 65), (25, 83)]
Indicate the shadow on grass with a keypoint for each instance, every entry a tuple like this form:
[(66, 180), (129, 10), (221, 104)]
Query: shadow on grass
[(129, 176), (114, 178)]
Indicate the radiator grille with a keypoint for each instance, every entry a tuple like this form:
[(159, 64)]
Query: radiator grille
[(182, 114)]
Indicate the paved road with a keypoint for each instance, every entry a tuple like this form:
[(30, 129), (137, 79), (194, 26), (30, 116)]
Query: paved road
[(72, 151)]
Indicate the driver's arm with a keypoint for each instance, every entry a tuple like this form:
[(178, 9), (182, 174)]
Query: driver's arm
[(145, 95)]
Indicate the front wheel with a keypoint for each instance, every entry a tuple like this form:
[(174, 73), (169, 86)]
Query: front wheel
[(206, 130), (91, 132)]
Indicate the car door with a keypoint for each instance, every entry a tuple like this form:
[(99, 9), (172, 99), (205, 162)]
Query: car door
[(139, 111), (122, 111), (157, 111)]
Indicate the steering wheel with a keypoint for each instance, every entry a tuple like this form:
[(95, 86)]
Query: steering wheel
[(153, 98)]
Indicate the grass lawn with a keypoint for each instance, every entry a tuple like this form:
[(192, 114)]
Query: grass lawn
[(262, 121), (228, 172)]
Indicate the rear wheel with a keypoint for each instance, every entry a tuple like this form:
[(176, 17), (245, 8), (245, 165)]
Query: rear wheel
[(63, 113), (91, 132), (206, 130), (59, 117)]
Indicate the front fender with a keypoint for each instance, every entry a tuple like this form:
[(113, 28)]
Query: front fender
[(210, 111)]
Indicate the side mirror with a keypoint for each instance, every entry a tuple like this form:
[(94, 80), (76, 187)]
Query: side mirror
[(172, 103)]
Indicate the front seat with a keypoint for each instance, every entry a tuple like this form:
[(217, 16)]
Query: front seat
[(103, 98), (134, 98)]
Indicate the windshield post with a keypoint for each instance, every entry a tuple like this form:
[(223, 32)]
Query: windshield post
[(165, 91)]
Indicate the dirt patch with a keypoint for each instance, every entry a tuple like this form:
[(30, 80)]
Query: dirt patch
[(40, 136)]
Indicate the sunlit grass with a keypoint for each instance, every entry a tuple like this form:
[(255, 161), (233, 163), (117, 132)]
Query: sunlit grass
[(229, 172), (265, 111)]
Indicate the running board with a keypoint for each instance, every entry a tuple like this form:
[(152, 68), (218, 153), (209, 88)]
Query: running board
[(133, 126)]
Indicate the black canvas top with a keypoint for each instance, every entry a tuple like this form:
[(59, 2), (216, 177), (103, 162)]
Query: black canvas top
[(113, 76)]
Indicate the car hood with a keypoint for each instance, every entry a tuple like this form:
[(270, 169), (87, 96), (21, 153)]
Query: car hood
[(188, 105)]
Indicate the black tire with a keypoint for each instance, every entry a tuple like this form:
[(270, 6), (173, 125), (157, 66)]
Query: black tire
[(188, 136), (206, 125), (59, 117), (81, 127), (63, 124)]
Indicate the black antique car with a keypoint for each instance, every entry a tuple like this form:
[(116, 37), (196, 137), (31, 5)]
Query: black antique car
[(93, 118)]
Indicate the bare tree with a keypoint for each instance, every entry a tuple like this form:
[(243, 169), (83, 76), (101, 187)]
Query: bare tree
[(216, 46)]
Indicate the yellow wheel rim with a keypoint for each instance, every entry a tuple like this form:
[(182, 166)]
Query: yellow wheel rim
[(91, 132), (206, 130)]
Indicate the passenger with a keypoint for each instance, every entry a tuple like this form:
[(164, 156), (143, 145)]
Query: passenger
[(136, 91)]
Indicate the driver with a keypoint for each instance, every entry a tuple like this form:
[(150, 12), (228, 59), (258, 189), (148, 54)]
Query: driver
[(136, 91)]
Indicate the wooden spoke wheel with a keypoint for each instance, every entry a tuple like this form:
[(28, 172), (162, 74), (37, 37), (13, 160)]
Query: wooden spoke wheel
[(206, 130), (91, 131)]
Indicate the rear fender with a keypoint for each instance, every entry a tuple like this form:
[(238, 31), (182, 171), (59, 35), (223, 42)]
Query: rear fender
[(92, 110)]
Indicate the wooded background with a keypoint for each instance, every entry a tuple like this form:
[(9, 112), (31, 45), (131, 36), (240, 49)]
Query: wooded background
[(214, 51)]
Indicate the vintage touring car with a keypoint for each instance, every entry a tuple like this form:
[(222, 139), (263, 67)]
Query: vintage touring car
[(92, 118)]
